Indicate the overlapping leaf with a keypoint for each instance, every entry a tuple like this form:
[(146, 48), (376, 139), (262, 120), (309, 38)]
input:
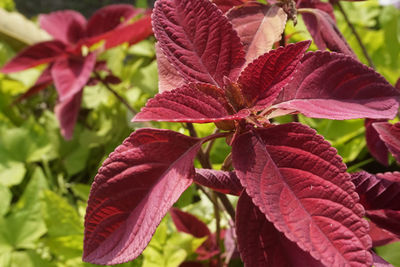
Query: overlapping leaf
[(386, 219), (221, 181), (168, 77), (336, 86), (225, 5), (133, 190), (375, 145), (299, 182), (390, 134), (187, 223), (198, 40), (67, 113), (261, 244)]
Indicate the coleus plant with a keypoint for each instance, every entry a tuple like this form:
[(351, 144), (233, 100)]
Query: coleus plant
[(71, 56), (297, 204)]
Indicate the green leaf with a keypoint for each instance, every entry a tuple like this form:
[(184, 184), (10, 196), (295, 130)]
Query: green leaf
[(76, 161), (28, 258), (5, 199), (81, 190), (11, 172), (390, 253)]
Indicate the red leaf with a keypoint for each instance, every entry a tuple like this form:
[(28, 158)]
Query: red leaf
[(71, 74), (134, 189), (378, 191), (196, 103), (187, 223), (258, 26), (221, 181), (168, 76), (68, 26), (386, 219), (317, 4), (198, 40), (336, 86), (109, 18), (42, 82), (34, 55), (375, 145), (225, 5), (390, 135), (325, 33), (380, 236), (261, 244), (299, 182), (264, 78), (67, 112)]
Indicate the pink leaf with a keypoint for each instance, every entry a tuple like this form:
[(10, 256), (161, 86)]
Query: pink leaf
[(264, 78), (258, 26), (390, 135), (133, 190), (68, 26), (261, 244), (195, 103), (168, 76), (225, 5), (221, 181), (71, 74), (336, 86), (378, 191), (34, 55), (198, 40), (300, 183), (67, 112), (109, 18), (187, 223), (375, 145), (325, 33)]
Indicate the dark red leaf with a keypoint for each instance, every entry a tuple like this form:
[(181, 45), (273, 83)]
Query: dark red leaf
[(264, 78), (221, 181), (133, 190), (336, 86), (375, 145), (300, 183), (195, 103), (258, 26), (378, 191), (317, 4), (187, 223), (198, 40), (386, 219), (71, 74), (390, 134), (325, 33), (380, 236), (109, 18), (68, 26), (261, 244), (225, 5), (168, 76), (379, 262), (67, 112), (34, 55)]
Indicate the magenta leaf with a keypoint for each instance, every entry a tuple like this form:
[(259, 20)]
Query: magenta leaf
[(258, 26), (375, 145), (168, 76), (198, 40), (190, 103), (34, 55), (109, 18), (67, 112), (67, 26), (264, 78), (380, 191), (336, 86), (300, 183), (41, 83), (71, 74), (261, 244), (390, 135), (134, 189), (188, 223), (221, 181)]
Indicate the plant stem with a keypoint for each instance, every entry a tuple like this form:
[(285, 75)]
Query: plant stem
[(218, 228), (364, 50)]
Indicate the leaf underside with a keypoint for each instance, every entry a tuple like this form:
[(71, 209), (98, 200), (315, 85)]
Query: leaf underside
[(221, 181), (390, 135), (188, 223), (375, 145)]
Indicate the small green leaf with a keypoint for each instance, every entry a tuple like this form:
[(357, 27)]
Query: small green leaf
[(5, 199)]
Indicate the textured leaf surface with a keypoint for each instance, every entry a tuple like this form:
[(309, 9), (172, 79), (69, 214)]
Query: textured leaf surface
[(71, 74), (67, 112), (133, 190), (196, 103), (34, 55), (264, 78), (390, 134), (375, 145), (198, 40), (299, 182), (380, 191), (188, 223), (168, 76), (258, 26), (336, 86), (261, 244), (221, 181), (67, 26)]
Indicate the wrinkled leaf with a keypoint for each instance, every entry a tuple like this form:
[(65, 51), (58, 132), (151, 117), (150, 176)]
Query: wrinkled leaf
[(221, 181)]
